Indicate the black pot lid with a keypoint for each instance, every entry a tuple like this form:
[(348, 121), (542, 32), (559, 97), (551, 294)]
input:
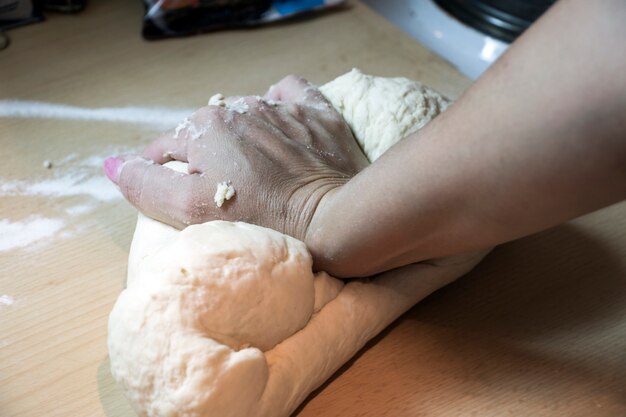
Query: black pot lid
[(500, 19)]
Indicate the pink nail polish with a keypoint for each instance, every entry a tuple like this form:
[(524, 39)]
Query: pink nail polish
[(112, 167)]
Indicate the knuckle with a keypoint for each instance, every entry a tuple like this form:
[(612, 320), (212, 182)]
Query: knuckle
[(209, 114), (257, 104), (292, 78)]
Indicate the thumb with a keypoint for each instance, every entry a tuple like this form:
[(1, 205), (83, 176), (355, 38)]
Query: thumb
[(157, 191), (135, 173), (112, 168)]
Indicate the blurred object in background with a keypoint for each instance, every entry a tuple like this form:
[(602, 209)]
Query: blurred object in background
[(168, 18), (64, 6), (4, 40), (502, 19), (470, 34), (14, 13)]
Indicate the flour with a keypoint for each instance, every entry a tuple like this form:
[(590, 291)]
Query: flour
[(191, 130), (76, 186), (239, 106), (18, 234), (95, 161), (182, 125), (266, 101), (80, 209), (150, 117), (72, 177), (6, 300), (67, 185)]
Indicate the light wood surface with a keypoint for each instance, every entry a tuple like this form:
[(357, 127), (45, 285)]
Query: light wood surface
[(538, 329)]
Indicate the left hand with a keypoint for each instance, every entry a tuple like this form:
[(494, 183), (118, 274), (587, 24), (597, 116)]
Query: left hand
[(282, 153)]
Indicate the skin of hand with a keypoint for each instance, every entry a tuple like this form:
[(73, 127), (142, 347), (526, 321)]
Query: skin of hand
[(281, 153)]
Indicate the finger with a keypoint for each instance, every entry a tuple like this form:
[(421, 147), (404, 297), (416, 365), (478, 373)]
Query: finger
[(294, 88), (168, 147), (172, 197)]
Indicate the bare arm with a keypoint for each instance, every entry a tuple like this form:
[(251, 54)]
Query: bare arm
[(538, 140)]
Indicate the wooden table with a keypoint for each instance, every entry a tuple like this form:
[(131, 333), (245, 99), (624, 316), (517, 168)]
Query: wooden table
[(537, 329)]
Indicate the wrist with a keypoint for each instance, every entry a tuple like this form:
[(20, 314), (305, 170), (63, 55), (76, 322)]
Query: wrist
[(318, 237), (328, 239)]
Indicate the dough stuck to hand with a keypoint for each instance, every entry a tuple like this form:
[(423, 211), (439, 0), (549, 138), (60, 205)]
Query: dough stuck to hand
[(217, 100), (226, 319), (224, 192)]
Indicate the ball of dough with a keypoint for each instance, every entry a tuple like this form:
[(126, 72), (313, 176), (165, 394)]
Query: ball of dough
[(241, 284), (186, 338), (382, 111)]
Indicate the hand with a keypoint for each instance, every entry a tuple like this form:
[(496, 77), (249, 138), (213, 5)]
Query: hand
[(282, 153)]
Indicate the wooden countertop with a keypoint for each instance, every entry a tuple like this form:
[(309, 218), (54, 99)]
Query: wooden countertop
[(539, 328)]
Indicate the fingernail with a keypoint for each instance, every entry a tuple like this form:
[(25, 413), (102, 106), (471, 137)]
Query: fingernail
[(112, 167)]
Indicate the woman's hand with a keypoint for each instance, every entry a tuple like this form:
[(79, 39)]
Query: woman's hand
[(281, 153)]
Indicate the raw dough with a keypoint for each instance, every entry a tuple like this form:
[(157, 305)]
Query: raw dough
[(382, 111), (227, 320), (224, 192), (180, 333), (217, 100)]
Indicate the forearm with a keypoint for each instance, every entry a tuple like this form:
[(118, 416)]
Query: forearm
[(537, 141)]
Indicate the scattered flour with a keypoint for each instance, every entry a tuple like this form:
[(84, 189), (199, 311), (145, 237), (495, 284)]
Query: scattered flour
[(15, 235), (192, 130), (6, 300), (69, 158), (196, 132), (240, 106), (73, 184), (78, 179), (80, 209), (182, 125), (96, 161), (152, 117)]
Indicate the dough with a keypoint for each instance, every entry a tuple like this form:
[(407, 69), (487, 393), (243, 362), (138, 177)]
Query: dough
[(227, 319), (217, 100), (224, 192), (180, 333), (382, 111)]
